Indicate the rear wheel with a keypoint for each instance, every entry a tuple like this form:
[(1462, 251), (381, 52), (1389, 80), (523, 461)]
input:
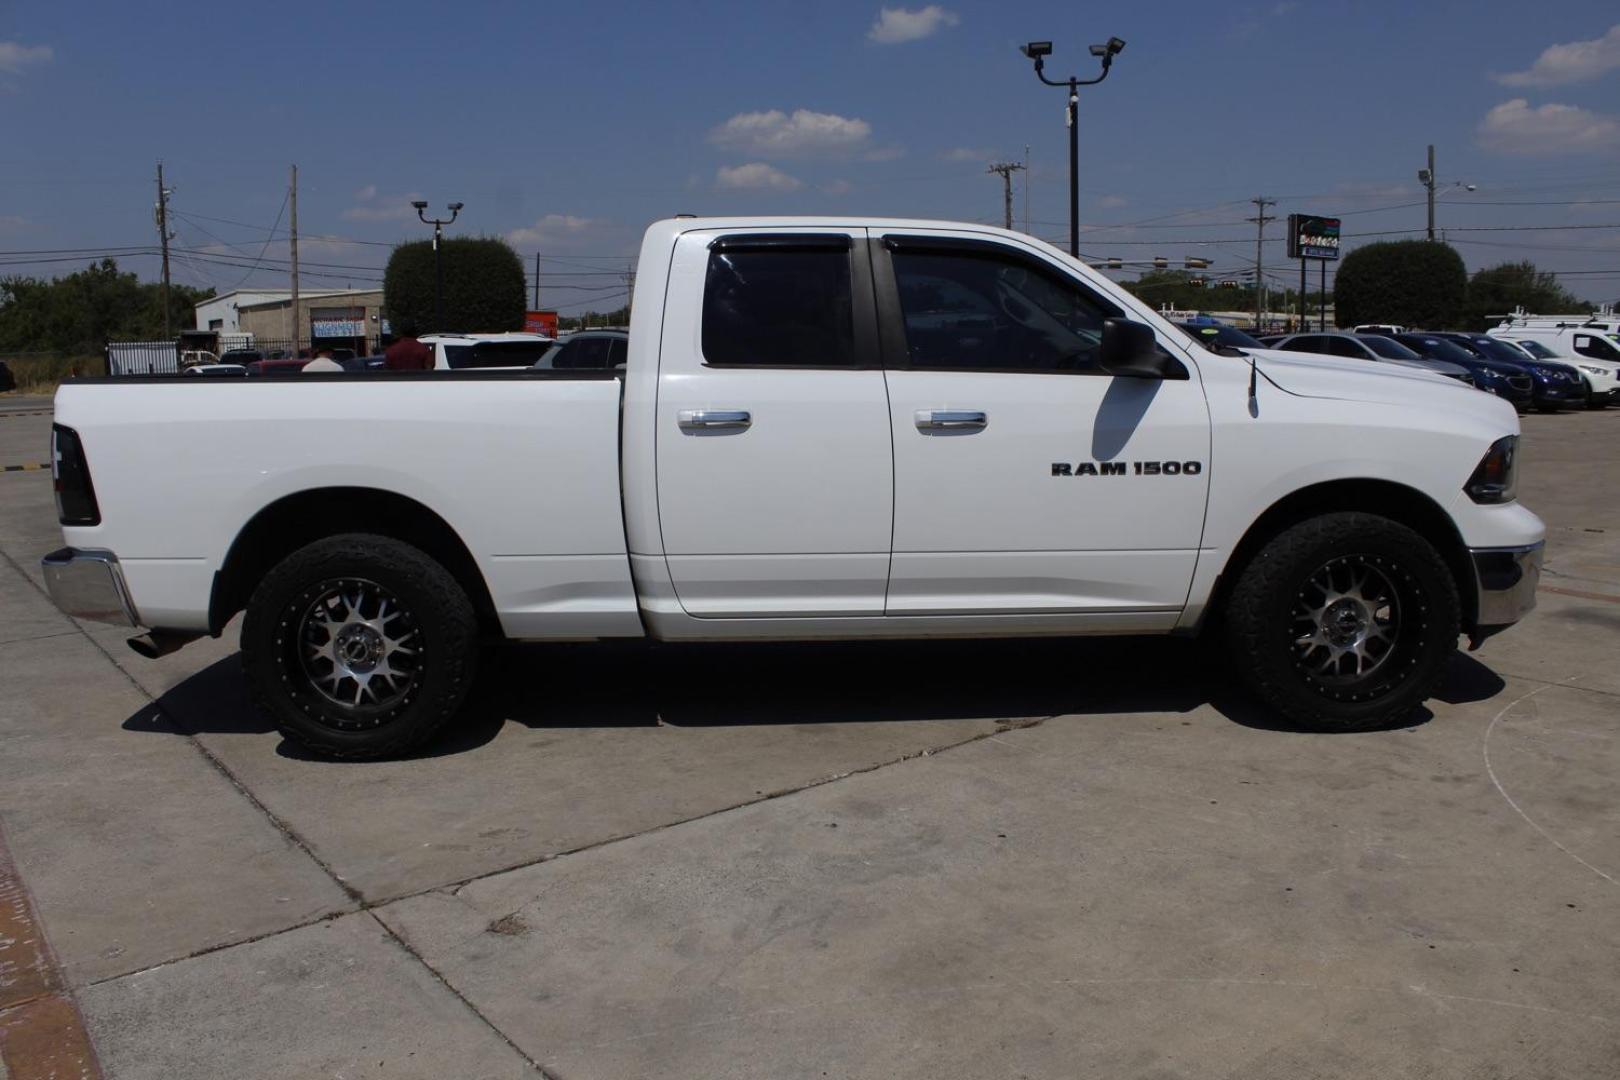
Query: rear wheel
[(359, 646), (1344, 622)]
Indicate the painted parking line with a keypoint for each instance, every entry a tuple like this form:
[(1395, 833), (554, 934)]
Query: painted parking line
[(32, 466), (1578, 593), (35, 412), (42, 1033)]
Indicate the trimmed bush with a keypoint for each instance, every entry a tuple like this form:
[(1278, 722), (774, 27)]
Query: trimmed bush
[(483, 286), (1419, 283)]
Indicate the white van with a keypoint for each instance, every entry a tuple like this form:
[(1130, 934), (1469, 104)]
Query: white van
[(1592, 349)]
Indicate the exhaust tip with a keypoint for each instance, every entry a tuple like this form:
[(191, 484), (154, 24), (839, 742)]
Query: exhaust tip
[(156, 644)]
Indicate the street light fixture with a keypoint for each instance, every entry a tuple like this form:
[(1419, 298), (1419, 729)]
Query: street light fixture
[(438, 256), (1429, 179), (1038, 51)]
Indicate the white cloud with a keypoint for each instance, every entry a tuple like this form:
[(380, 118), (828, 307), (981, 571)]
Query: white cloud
[(1513, 127), (374, 207), (14, 56), (755, 176), (551, 229), (1113, 202), (966, 153), (896, 26), (1570, 62), (776, 134)]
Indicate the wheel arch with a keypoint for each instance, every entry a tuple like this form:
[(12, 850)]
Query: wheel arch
[(1386, 498), (303, 517)]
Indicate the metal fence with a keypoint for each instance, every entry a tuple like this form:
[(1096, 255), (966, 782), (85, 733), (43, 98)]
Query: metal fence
[(167, 357), (143, 358)]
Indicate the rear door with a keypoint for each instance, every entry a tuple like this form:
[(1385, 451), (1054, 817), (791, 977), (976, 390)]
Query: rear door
[(1027, 479), (775, 470)]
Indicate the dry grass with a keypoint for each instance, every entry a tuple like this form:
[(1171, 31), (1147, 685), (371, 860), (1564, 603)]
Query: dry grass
[(42, 374)]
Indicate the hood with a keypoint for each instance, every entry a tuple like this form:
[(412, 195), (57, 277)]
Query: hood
[(1314, 375)]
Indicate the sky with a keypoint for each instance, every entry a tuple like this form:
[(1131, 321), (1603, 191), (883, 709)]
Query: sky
[(566, 128)]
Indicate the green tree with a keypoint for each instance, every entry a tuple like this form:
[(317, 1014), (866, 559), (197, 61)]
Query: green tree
[(483, 286), (1496, 291), (81, 312), (1419, 283)]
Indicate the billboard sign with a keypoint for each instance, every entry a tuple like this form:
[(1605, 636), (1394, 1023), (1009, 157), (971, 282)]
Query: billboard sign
[(1312, 237), (541, 322)]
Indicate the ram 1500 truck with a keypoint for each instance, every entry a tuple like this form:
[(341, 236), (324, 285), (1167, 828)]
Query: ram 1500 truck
[(826, 429)]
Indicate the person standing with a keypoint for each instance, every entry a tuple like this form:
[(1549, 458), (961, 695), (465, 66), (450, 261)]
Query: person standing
[(407, 353)]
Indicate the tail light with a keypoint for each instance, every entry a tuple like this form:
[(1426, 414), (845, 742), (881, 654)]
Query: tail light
[(75, 495), (1496, 478)]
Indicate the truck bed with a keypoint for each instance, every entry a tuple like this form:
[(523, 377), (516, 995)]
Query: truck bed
[(525, 464)]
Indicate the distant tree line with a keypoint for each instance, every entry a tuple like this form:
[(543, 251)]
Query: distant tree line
[(1423, 283), (79, 313)]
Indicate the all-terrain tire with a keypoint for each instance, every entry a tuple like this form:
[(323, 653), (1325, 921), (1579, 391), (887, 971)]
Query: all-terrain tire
[(1330, 655), (359, 646)]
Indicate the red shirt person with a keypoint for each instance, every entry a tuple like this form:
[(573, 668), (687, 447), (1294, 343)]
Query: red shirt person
[(408, 354)]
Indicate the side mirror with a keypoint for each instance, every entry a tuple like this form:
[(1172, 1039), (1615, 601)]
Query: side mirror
[(1131, 349)]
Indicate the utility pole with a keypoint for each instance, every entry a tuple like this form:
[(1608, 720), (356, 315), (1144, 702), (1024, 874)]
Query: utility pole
[(1260, 219), (1428, 182), (292, 233), (1005, 169), (163, 238), (630, 285), (1026, 189), (537, 281)]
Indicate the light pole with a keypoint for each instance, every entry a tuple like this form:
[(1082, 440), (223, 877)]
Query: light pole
[(1038, 51), (438, 255), (1427, 178)]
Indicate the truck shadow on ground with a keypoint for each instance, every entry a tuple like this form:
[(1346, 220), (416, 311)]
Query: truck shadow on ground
[(637, 684)]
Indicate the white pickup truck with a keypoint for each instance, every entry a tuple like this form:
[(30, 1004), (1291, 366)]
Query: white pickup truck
[(826, 429)]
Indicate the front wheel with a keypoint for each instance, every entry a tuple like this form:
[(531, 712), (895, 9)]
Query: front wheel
[(1344, 622), (359, 646)]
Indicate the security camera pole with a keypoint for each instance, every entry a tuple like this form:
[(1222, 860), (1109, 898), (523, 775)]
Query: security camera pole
[(1428, 179), (438, 255), (1038, 51)]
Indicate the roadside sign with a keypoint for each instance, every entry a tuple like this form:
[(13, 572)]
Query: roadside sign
[(1312, 237)]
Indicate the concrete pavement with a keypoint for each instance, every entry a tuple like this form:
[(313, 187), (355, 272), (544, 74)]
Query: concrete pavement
[(1045, 859)]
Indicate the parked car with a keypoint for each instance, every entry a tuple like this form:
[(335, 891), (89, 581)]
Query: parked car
[(1557, 385), (217, 369), (8, 381), (827, 429), (1591, 350), (588, 349), (1215, 336), (458, 352), (1511, 382), (1374, 347), (1386, 329), (241, 356), (376, 362), (285, 366)]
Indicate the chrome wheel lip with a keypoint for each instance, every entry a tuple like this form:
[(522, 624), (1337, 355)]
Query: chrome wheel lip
[(358, 646), (1346, 620)]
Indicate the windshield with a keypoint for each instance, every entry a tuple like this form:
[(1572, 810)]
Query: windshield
[(1438, 349), (1214, 335), (1536, 349), (1388, 348), (1494, 349)]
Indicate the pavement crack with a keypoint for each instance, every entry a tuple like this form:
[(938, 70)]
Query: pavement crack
[(405, 946)]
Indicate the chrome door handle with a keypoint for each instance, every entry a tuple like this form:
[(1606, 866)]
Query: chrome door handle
[(950, 420), (713, 419)]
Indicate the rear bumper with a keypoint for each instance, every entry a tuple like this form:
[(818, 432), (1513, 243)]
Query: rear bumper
[(1506, 579), (89, 584)]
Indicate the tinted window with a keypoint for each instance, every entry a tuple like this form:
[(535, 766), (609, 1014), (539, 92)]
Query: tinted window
[(1213, 336), (1536, 349), (1388, 348), (1346, 347), (778, 306), (618, 352), (985, 312), (586, 352), (1492, 349), (1309, 343), (486, 354), (1438, 349), (1591, 345)]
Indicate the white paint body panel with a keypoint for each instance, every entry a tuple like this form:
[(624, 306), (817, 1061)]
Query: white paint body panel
[(830, 516)]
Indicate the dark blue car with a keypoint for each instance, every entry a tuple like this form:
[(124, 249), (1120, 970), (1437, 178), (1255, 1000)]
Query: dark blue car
[(1510, 381), (1554, 385)]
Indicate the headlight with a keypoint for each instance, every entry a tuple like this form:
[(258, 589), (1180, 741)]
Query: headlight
[(1590, 370), (1497, 476)]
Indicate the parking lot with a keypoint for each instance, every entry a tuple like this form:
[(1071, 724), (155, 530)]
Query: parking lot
[(962, 859)]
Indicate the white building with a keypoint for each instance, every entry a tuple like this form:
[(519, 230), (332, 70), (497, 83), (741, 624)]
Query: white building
[(221, 312)]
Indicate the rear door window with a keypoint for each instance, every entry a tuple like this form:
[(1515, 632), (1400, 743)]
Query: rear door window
[(1346, 347), (779, 302)]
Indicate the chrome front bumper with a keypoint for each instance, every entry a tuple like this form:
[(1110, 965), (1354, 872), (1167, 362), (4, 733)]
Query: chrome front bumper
[(1506, 579), (89, 584)]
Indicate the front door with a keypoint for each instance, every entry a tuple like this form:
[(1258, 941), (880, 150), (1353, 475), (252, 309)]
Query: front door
[(1027, 480), (775, 476)]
